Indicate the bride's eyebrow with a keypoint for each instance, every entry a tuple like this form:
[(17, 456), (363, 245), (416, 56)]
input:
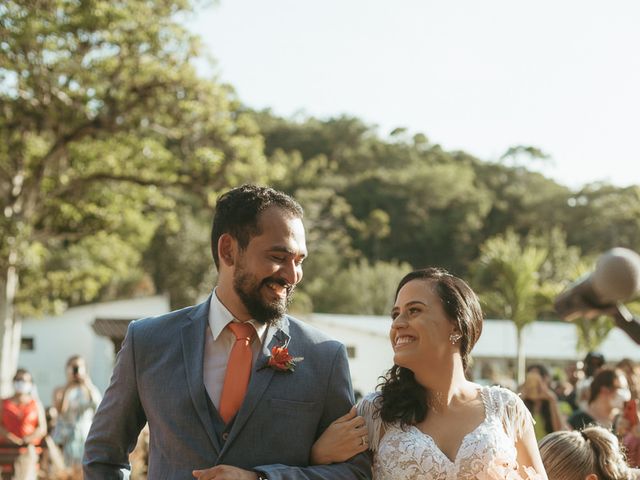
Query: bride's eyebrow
[(412, 302), (408, 304)]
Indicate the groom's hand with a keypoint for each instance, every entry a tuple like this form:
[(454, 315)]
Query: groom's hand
[(224, 472)]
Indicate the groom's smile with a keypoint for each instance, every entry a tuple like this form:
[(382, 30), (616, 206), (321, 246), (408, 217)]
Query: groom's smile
[(268, 269)]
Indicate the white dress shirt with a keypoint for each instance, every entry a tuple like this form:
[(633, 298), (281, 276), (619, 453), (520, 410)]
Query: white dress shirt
[(218, 344)]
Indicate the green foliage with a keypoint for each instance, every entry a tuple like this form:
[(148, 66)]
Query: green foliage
[(113, 151), (179, 260), (506, 274), (363, 288), (603, 217), (105, 129), (592, 332), (507, 277)]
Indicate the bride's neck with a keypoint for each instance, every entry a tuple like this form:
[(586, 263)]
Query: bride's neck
[(443, 383)]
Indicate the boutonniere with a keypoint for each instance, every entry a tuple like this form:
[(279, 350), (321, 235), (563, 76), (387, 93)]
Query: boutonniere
[(281, 360)]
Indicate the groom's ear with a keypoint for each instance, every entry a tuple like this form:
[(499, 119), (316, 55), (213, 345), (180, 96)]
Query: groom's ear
[(227, 248)]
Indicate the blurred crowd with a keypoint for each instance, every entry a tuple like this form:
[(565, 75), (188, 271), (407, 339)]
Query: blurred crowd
[(48, 443), (586, 420)]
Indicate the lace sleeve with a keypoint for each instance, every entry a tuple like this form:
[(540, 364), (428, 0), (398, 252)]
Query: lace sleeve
[(516, 418), (369, 409)]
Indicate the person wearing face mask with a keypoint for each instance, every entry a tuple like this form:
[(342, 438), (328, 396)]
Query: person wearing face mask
[(76, 403), (608, 392), (22, 425)]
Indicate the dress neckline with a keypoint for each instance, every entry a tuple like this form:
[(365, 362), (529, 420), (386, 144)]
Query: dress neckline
[(485, 399)]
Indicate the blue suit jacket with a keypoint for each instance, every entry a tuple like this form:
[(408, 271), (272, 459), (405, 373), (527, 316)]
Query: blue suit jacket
[(158, 379)]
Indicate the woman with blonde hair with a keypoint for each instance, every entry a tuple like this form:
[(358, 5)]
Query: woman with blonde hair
[(590, 454)]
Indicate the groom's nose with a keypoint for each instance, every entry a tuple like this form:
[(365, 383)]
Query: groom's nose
[(291, 272)]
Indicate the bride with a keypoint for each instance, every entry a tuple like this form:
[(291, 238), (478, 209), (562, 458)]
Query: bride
[(427, 421)]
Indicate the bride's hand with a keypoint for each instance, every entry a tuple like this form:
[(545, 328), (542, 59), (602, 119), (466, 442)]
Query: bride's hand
[(344, 438)]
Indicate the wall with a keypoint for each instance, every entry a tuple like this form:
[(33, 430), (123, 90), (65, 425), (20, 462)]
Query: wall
[(56, 338)]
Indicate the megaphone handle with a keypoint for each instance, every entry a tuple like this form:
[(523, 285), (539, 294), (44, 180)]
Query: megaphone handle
[(627, 322), (624, 312)]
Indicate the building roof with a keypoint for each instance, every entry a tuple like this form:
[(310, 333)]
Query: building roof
[(541, 339), (111, 327)]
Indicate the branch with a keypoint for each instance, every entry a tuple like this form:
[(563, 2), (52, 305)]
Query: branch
[(81, 183)]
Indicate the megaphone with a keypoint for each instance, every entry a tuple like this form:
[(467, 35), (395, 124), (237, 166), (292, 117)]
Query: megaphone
[(615, 279)]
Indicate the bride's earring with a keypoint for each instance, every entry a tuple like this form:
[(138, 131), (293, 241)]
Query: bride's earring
[(454, 337)]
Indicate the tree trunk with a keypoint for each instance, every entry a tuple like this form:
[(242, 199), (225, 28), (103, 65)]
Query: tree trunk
[(521, 358), (9, 326)]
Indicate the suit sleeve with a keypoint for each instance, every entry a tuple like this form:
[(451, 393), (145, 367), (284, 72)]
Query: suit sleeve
[(117, 422), (337, 402)]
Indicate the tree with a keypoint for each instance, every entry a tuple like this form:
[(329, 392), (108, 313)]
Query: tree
[(177, 258), (592, 332), (506, 275), (104, 127), (362, 288), (603, 216)]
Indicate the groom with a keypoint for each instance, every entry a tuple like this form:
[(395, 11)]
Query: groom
[(233, 388)]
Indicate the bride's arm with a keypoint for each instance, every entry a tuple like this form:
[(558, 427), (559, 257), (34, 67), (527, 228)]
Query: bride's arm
[(345, 437), (529, 454), (518, 424)]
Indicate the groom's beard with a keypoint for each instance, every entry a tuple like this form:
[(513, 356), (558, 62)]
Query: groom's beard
[(250, 290)]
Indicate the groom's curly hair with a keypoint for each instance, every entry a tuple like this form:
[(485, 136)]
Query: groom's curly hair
[(403, 399)]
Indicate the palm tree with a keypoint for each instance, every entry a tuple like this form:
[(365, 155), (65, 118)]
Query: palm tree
[(507, 275), (592, 332)]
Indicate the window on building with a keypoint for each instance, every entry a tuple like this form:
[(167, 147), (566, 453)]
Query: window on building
[(27, 344), (351, 351)]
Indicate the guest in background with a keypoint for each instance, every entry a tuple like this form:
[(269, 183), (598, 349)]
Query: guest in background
[(592, 454), (608, 392), (593, 362), (76, 403), (632, 372), (23, 424), (541, 401), (575, 374), (627, 428)]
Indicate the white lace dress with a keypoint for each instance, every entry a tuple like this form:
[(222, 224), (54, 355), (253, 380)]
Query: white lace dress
[(410, 454)]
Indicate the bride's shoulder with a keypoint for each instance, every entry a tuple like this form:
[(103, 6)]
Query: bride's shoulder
[(503, 395), (369, 409), (511, 409), (503, 392), (504, 401), (370, 403)]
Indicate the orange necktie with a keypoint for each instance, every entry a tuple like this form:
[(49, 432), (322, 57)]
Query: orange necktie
[(236, 379)]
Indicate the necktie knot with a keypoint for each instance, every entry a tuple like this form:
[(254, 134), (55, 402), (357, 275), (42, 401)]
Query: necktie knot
[(242, 331)]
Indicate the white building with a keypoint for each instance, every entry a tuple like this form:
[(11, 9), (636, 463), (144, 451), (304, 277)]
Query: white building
[(95, 332), (550, 343), (49, 341)]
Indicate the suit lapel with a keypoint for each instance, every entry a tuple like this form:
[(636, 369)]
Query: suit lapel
[(193, 352), (260, 378)]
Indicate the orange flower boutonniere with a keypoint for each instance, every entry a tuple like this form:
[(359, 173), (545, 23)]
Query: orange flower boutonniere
[(281, 360)]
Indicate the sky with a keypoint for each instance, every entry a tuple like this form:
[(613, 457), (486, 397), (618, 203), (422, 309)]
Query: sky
[(472, 75)]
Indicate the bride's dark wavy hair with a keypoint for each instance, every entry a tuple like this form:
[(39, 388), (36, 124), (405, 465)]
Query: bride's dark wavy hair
[(403, 399)]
